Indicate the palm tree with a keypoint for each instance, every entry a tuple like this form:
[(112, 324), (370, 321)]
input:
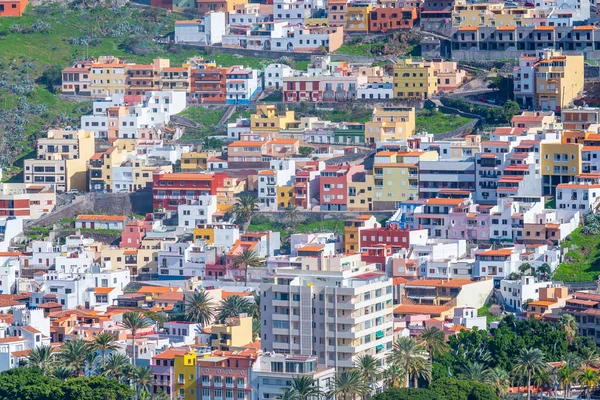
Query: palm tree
[(368, 367), (244, 208), (589, 356), (62, 372), (412, 358), (287, 394), (349, 384), (74, 354), (134, 321), (569, 326), (393, 377), (498, 378), (589, 380), (199, 308), (256, 305), (567, 377), (142, 379), (303, 388), (573, 361), (434, 340), (233, 306), (544, 270), (256, 329), (246, 259), (528, 363), (116, 364), (42, 357), (475, 372), (91, 362), (104, 342), (542, 379), (292, 216)]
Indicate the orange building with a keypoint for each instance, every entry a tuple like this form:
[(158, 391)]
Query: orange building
[(208, 85), (12, 8), (387, 19)]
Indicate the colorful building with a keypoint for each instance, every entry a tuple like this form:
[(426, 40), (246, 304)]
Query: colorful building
[(561, 163), (390, 123), (234, 334), (389, 19), (414, 79), (357, 17), (334, 186), (352, 231), (171, 190)]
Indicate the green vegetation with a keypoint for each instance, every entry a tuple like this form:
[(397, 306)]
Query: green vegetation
[(261, 223), (362, 49), (101, 231), (351, 112), (273, 97), (436, 122), (550, 203), (489, 312), (207, 117), (492, 115), (581, 263), (397, 43)]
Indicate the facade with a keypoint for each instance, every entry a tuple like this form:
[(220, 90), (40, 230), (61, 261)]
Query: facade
[(390, 124), (241, 85), (414, 79), (12, 8), (172, 190)]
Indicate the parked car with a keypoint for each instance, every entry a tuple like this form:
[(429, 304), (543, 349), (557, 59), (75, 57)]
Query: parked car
[(73, 191)]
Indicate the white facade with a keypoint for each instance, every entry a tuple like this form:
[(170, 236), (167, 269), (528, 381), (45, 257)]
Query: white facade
[(575, 196), (281, 173), (274, 74), (10, 271), (375, 91), (516, 293), (10, 228), (291, 11), (97, 121), (184, 260), (196, 212), (241, 84), (467, 317), (237, 128), (208, 31)]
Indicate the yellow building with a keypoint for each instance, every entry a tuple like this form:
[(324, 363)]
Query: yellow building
[(390, 123), (217, 232), (558, 80), (396, 177), (352, 228), (107, 77), (234, 333), (227, 195), (360, 192), (192, 162), (285, 197), (357, 17), (561, 163), (185, 375), (268, 119), (467, 14), (177, 79), (414, 79), (142, 173)]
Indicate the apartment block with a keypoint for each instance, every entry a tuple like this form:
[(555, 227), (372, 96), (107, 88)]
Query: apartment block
[(61, 160), (354, 294), (141, 78), (172, 190), (414, 79), (76, 80), (387, 19), (334, 186), (390, 124), (209, 85), (241, 85), (27, 201), (107, 77), (561, 163)]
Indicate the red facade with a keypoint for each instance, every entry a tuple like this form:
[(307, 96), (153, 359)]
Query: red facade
[(14, 208), (392, 236), (171, 190), (296, 91), (208, 85)]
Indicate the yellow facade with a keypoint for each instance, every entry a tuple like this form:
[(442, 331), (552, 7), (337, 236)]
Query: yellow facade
[(234, 333), (561, 162), (414, 79), (489, 14), (268, 119), (558, 80), (194, 161), (185, 376), (227, 195), (207, 234), (390, 123), (360, 194), (107, 77), (352, 228), (139, 261), (285, 197), (142, 175), (396, 176), (357, 18)]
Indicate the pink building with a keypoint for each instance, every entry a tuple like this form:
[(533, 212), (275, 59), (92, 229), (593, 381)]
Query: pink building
[(470, 222), (133, 233), (334, 186), (226, 373), (163, 370)]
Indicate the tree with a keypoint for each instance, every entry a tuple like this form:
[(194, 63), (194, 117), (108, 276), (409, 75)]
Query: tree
[(368, 367), (306, 151), (475, 372), (434, 340), (498, 378), (460, 389), (569, 326), (567, 377), (244, 208), (116, 366), (407, 394), (134, 321), (104, 342), (199, 308), (233, 306), (292, 216), (246, 259), (74, 353), (589, 380), (52, 76), (62, 373), (303, 387), (393, 377), (142, 379), (511, 108), (544, 270), (529, 362), (525, 268), (412, 358), (347, 385), (42, 357), (589, 356), (91, 362)]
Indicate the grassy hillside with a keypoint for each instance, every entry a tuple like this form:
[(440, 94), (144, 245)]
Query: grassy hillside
[(582, 260)]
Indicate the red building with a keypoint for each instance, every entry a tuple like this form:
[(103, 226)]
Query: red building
[(334, 186), (226, 372), (171, 190), (208, 85), (393, 236), (133, 233), (388, 19), (377, 255), (302, 88)]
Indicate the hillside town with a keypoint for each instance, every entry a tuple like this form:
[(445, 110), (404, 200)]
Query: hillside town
[(300, 200)]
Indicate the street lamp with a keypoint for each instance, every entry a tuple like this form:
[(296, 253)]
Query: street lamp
[(555, 390)]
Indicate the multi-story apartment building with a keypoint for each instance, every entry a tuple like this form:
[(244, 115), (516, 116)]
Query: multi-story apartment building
[(449, 176), (226, 374), (271, 181), (235, 332), (352, 304), (352, 231), (27, 201), (177, 79), (390, 124), (208, 85), (336, 12), (241, 85), (558, 80), (76, 80), (561, 163), (172, 190), (387, 19), (414, 79), (333, 194), (61, 160), (268, 119), (141, 78), (225, 6), (357, 16), (208, 30), (578, 196), (107, 77), (579, 118)]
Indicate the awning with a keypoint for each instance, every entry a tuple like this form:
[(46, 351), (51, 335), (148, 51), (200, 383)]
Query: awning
[(379, 334), (379, 347)]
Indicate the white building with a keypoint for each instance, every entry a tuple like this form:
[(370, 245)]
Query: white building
[(467, 317), (578, 196), (182, 260), (197, 212), (517, 292), (207, 31), (274, 74), (10, 271), (293, 12), (281, 173), (337, 308), (98, 121), (375, 91), (241, 84), (237, 128), (10, 228), (524, 80)]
